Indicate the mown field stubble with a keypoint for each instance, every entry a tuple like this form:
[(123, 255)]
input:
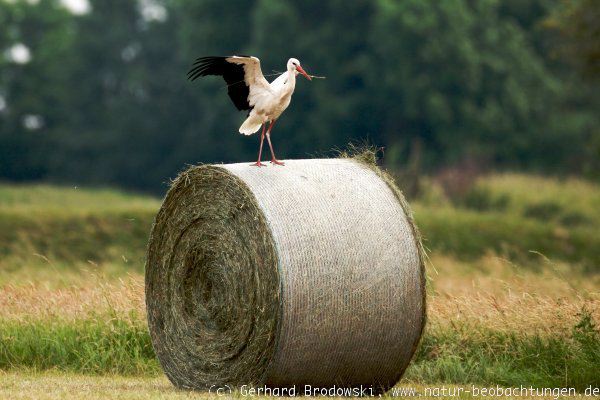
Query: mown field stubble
[(72, 315)]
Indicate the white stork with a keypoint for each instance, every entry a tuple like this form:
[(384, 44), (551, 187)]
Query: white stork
[(249, 90)]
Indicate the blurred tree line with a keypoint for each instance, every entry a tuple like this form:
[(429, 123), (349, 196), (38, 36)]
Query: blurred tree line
[(100, 97)]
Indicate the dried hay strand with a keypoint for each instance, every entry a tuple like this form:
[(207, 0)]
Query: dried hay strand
[(308, 274)]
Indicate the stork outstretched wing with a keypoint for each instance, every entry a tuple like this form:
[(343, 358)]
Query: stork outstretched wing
[(246, 83)]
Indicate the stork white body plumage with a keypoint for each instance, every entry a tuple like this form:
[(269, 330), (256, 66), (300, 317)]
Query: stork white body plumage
[(249, 90)]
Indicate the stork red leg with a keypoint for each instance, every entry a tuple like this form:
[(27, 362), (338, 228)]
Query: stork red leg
[(262, 139), (274, 159)]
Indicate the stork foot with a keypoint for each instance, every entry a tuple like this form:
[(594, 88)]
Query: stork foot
[(277, 162), (258, 164)]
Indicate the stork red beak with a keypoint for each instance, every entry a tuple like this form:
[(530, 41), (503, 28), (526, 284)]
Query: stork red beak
[(303, 72)]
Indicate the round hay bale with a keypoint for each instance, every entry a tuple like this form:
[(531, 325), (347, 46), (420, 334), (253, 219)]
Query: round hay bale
[(308, 274)]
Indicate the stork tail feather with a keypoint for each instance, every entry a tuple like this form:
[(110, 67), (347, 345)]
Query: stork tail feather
[(251, 125)]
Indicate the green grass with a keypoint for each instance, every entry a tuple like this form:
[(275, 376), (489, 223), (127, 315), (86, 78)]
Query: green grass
[(99, 237), (460, 354), (468, 234), (66, 226), (518, 194), (469, 354), (518, 217), (560, 197), (113, 345), (67, 200)]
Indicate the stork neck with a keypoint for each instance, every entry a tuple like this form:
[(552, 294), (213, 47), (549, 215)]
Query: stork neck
[(292, 75), (290, 81)]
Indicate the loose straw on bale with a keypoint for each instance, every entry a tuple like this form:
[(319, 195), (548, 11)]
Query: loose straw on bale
[(308, 274)]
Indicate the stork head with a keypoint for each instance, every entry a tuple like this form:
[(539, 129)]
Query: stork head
[(294, 65)]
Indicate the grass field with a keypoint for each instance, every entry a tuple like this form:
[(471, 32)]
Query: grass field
[(53, 385), (513, 290)]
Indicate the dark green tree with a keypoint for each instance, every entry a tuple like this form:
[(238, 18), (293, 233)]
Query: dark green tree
[(104, 99)]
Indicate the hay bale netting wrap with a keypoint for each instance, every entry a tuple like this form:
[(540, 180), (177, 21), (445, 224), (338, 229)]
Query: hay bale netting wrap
[(308, 274)]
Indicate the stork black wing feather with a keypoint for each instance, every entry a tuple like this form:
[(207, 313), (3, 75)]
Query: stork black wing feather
[(237, 87)]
